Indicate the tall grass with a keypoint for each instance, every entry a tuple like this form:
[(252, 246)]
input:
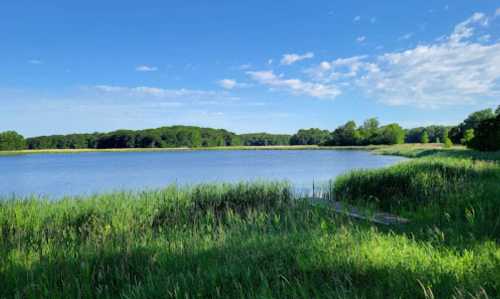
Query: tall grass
[(456, 200), (415, 182), (257, 240)]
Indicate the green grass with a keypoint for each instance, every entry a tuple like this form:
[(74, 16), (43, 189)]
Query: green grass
[(258, 240)]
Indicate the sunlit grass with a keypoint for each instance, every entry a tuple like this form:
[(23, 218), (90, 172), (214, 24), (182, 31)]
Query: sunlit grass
[(259, 240)]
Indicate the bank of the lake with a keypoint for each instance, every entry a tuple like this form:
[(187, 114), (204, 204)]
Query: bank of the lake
[(218, 148), (258, 240)]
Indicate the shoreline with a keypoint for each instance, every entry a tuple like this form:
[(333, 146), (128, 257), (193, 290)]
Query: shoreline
[(223, 148)]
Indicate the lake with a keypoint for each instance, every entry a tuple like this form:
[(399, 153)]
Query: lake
[(57, 175)]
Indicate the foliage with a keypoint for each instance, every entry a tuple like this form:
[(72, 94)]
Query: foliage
[(424, 138), (487, 135), (468, 136), (369, 131), (11, 140), (435, 134), (447, 142), (347, 134), (390, 134), (263, 139), (471, 122), (310, 137), (164, 137)]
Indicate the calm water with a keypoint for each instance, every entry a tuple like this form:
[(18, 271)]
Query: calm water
[(56, 175)]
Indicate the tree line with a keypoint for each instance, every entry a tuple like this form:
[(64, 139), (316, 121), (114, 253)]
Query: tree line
[(480, 130)]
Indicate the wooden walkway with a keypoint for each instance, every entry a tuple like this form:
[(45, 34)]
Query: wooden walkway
[(357, 213)]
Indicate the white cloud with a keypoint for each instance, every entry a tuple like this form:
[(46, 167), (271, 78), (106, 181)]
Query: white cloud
[(289, 59), (456, 70), (406, 36), (154, 92), (465, 29), (245, 66), (361, 39), (295, 86), (227, 83), (231, 84), (341, 68), (497, 12), (270, 61), (146, 68), (356, 19), (35, 61), (436, 75)]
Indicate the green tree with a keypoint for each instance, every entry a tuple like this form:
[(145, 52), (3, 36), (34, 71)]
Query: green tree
[(447, 141), (424, 138), (369, 130), (471, 122), (468, 136), (11, 140), (310, 137), (347, 134), (262, 139), (487, 135), (391, 134)]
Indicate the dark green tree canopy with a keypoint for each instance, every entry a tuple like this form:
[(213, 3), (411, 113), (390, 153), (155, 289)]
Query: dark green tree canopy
[(311, 136), (487, 135), (456, 134), (263, 139), (11, 140)]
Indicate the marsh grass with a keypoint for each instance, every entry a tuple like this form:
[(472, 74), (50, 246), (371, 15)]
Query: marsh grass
[(259, 240)]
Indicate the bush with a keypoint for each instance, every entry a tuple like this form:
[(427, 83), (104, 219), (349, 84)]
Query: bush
[(424, 138)]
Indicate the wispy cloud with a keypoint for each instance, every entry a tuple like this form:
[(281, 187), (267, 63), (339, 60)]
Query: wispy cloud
[(227, 83), (466, 29), (406, 36), (146, 68), (356, 19), (231, 84), (458, 69), (245, 66), (295, 86), (153, 93), (35, 61), (361, 39), (289, 59)]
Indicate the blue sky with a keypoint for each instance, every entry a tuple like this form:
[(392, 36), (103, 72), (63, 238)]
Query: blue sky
[(247, 66)]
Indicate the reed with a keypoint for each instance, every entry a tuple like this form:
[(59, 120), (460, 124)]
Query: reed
[(260, 240)]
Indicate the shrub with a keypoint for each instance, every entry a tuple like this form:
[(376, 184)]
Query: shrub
[(425, 137)]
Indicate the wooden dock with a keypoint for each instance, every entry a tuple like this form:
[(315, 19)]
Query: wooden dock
[(357, 213)]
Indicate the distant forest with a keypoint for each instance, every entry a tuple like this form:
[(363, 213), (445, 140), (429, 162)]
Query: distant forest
[(480, 130)]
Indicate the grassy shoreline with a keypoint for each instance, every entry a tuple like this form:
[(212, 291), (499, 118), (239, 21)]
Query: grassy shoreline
[(257, 240), (380, 148)]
